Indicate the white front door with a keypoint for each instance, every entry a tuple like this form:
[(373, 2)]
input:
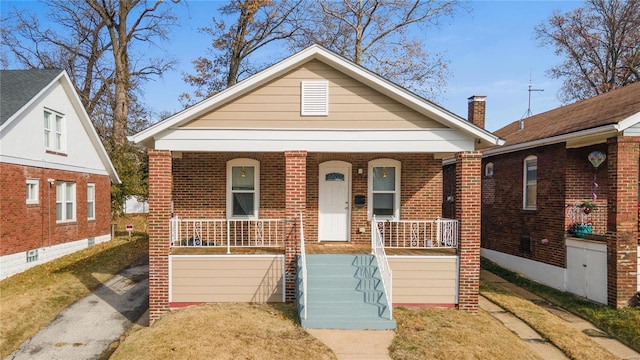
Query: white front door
[(334, 207)]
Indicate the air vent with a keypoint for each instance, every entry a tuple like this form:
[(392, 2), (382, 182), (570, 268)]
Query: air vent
[(315, 98), (91, 241), (32, 255)]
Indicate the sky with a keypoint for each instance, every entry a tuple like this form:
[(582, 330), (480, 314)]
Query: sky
[(491, 50)]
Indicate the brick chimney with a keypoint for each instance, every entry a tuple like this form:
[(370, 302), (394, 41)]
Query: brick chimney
[(477, 106)]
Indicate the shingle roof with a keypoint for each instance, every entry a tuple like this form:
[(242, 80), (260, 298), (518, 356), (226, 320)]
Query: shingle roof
[(608, 108), (17, 87)]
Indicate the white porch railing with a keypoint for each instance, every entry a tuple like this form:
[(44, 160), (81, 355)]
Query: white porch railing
[(420, 234), (227, 233), (377, 247), (303, 270)]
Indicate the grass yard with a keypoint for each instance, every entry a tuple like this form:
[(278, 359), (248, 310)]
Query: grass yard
[(32, 299), (624, 324)]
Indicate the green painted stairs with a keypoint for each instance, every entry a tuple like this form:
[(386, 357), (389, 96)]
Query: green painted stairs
[(344, 292)]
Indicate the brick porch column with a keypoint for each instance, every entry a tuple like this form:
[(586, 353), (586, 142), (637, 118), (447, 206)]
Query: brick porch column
[(295, 202), (468, 201), (622, 221), (159, 214)]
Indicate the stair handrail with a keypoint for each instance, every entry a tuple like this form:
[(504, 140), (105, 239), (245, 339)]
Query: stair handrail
[(377, 247), (303, 262)]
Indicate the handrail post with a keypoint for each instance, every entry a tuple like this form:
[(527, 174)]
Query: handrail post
[(228, 237)]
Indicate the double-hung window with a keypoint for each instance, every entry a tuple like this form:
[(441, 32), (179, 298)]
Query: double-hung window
[(91, 201), (530, 183), (65, 201), (243, 188), (384, 189), (54, 131), (33, 196)]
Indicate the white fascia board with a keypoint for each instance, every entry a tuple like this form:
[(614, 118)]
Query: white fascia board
[(278, 140), (50, 165), (357, 72), (629, 122), (88, 127), (602, 131)]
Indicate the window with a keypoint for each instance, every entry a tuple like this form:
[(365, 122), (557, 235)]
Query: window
[(65, 201), (488, 170), (315, 98), (384, 189), (91, 201), (243, 188), (530, 182), (53, 131), (33, 196)]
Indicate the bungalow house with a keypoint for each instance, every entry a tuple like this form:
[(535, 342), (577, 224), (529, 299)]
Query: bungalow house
[(560, 199), (55, 175), (281, 187)]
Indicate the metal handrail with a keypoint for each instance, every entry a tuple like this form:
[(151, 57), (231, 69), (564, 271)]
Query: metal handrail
[(386, 275), (303, 262)]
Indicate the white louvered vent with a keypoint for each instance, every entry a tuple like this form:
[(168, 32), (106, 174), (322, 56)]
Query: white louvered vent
[(315, 98)]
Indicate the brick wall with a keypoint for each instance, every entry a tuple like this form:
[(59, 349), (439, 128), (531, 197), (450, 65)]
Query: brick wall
[(504, 221), (622, 237), (159, 215), (28, 226), (468, 195), (295, 204)]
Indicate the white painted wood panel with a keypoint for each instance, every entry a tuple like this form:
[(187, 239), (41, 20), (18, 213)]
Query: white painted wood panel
[(424, 280)]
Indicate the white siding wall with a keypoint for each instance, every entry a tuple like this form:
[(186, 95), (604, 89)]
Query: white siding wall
[(23, 139)]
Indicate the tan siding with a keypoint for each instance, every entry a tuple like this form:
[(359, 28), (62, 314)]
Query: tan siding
[(226, 279), (423, 280), (352, 105)]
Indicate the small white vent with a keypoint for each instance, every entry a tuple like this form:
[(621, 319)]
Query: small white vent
[(315, 98), (32, 255)]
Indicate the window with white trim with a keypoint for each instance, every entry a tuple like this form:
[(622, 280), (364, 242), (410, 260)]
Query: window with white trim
[(243, 188), (33, 195), (54, 138), (91, 201), (488, 170), (314, 98), (384, 189), (530, 183), (65, 201)]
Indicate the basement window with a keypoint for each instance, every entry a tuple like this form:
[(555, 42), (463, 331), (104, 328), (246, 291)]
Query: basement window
[(32, 255), (314, 98)]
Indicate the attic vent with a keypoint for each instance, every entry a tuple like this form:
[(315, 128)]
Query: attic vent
[(315, 98)]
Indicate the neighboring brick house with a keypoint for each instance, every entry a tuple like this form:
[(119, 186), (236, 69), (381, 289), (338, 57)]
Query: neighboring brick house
[(318, 138), (536, 188), (55, 175)]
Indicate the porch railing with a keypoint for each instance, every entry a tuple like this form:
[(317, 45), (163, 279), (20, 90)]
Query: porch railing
[(227, 233), (594, 219), (303, 270), (377, 247), (420, 234)]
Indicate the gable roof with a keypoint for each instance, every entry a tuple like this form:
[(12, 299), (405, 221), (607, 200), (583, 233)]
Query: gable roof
[(603, 114), (316, 52), (20, 88)]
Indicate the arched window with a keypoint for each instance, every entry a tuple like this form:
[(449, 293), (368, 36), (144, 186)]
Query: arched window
[(530, 183), (243, 188), (384, 189)]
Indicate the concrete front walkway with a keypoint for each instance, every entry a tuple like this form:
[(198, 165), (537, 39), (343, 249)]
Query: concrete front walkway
[(86, 329), (356, 344)]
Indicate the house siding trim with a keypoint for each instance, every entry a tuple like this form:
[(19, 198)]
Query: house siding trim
[(316, 140)]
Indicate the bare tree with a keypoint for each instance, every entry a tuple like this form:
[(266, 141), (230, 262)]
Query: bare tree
[(385, 36), (600, 44), (256, 23)]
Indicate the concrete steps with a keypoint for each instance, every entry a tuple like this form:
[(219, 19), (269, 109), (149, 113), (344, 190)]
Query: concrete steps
[(344, 292)]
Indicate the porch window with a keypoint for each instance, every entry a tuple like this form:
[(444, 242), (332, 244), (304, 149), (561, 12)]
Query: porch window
[(530, 182), (243, 188), (384, 189)]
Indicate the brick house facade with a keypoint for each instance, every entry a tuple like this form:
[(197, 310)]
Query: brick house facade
[(370, 128), (55, 196), (538, 241)]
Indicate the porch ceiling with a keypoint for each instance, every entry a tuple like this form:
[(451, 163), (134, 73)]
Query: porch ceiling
[(318, 140)]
